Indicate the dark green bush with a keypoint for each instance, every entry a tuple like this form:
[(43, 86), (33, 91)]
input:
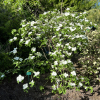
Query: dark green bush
[(6, 62)]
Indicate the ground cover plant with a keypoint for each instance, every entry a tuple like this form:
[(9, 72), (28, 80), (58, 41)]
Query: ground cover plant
[(59, 30)]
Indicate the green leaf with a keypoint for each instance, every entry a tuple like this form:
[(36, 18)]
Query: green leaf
[(32, 83), (41, 87), (91, 89), (13, 31)]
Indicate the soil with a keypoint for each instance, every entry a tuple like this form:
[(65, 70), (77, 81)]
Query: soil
[(11, 90)]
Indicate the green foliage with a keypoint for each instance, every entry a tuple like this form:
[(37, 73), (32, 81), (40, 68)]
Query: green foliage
[(94, 16), (5, 62)]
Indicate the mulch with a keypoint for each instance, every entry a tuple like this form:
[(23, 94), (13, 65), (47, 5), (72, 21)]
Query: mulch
[(11, 90)]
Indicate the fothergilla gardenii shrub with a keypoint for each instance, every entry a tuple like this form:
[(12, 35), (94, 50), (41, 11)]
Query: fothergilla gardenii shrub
[(53, 29)]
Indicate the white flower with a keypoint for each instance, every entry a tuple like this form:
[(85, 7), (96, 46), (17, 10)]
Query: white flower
[(58, 29), (54, 87), (71, 24), (21, 40), (84, 12), (59, 35), (79, 43), (67, 13), (29, 33), (68, 61), (55, 62), (33, 49), (60, 39), (69, 47), (54, 73), (60, 25), (45, 13), (81, 26), (19, 8), (73, 15), (14, 51), (67, 44), (23, 25), (65, 74), (68, 9), (82, 78), (87, 28), (95, 24), (25, 86), (11, 40), (80, 84), (58, 45), (73, 73), (86, 87), (64, 62), (15, 38), (94, 62), (20, 78), (62, 46), (35, 26), (62, 56), (16, 58), (77, 36), (2, 75), (26, 58), (56, 68), (20, 59), (72, 29), (30, 54), (52, 66), (36, 73), (23, 20), (86, 20), (98, 68), (32, 57), (72, 84), (61, 62), (27, 41), (39, 54), (32, 23), (57, 79), (53, 37), (32, 81), (69, 54), (73, 48), (91, 23)]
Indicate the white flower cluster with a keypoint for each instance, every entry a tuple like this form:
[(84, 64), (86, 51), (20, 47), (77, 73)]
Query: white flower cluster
[(72, 84), (65, 74), (11, 40), (17, 58), (33, 22), (21, 40), (14, 51), (73, 73), (53, 73), (20, 78), (33, 49), (38, 54), (36, 73), (2, 75), (27, 41)]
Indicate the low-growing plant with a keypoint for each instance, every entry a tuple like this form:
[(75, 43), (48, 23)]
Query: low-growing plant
[(63, 33)]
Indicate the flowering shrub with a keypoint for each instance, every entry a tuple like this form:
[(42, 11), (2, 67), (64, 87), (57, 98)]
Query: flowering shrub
[(64, 34)]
